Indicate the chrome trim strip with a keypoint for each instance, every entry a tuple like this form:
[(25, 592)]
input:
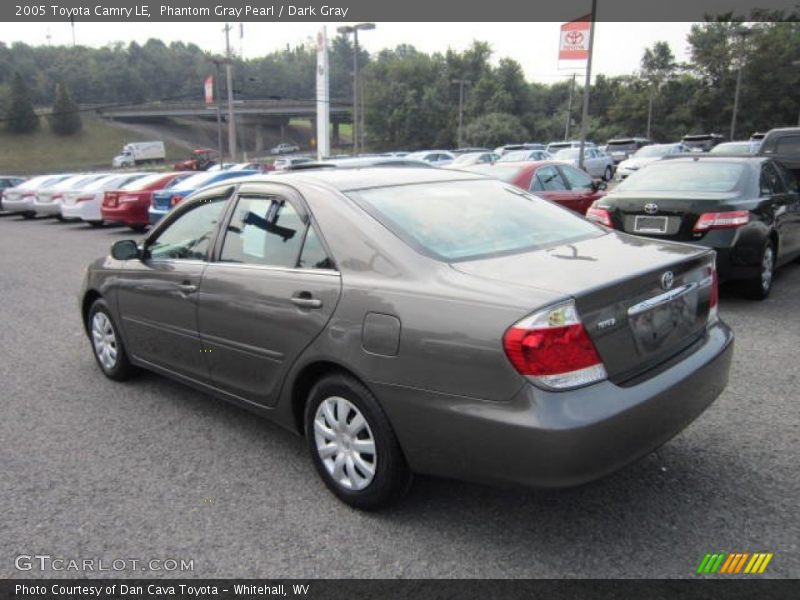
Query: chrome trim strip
[(669, 296), (329, 272)]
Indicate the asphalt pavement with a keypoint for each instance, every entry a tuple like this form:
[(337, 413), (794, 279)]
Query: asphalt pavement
[(149, 469)]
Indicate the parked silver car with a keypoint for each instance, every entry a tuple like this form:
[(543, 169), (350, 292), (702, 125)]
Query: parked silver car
[(418, 320), (596, 163)]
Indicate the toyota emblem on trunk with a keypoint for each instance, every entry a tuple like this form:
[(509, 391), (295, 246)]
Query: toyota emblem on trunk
[(667, 279), (651, 208)]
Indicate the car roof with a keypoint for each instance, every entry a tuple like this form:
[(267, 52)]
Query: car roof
[(727, 158), (357, 179)]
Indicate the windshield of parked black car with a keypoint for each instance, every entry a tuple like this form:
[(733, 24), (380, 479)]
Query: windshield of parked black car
[(463, 220), (690, 176)]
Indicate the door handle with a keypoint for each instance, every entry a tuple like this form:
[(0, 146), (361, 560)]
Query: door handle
[(187, 288), (305, 300)]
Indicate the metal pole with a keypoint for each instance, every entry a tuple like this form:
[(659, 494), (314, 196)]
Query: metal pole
[(650, 111), (229, 82), (362, 114), (219, 113), (736, 98), (585, 115), (460, 111), (569, 108), (355, 92)]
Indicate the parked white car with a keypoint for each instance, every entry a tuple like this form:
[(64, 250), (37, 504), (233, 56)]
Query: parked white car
[(475, 158), (85, 204), (554, 147), (20, 199), (47, 201), (438, 158), (288, 162), (285, 148), (646, 155), (597, 164), (526, 155)]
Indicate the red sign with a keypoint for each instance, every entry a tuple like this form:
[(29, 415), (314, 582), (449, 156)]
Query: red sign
[(575, 39), (208, 88)]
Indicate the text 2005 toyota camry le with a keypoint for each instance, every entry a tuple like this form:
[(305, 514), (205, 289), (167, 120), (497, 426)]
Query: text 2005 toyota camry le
[(415, 320)]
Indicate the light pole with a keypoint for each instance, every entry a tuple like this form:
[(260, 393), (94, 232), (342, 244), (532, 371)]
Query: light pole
[(217, 63), (229, 85), (354, 29), (741, 33), (461, 83), (796, 63)]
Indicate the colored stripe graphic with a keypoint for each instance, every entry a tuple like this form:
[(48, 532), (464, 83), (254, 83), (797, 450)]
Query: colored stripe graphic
[(734, 563)]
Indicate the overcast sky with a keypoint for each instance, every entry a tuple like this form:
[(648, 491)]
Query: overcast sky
[(618, 46)]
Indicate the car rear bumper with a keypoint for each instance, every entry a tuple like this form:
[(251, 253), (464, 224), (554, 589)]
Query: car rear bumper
[(47, 209), (86, 211), (154, 215), (129, 213), (20, 205), (557, 439)]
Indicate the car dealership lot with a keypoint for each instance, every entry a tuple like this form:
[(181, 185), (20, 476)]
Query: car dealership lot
[(150, 468)]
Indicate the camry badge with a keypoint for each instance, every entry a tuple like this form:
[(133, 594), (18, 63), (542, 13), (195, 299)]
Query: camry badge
[(667, 279), (651, 208)]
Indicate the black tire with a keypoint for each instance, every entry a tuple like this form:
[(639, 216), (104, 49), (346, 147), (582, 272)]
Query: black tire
[(138, 228), (759, 287), (95, 223), (60, 218), (608, 174), (392, 477), (122, 368), (29, 215)]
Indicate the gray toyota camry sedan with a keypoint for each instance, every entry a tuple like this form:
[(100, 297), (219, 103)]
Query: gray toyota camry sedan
[(418, 321)]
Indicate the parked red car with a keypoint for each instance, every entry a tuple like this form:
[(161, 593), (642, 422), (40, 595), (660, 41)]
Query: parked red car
[(555, 181), (129, 204)]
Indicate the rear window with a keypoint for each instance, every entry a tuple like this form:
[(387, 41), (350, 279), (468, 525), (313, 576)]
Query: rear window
[(465, 220), (788, 145), (695, 176)]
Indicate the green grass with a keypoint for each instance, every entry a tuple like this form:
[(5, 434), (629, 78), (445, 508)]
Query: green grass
[(92, 148)]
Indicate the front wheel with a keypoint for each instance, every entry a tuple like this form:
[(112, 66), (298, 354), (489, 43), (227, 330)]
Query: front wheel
[(353, 445), (109, 351), (759, 287)]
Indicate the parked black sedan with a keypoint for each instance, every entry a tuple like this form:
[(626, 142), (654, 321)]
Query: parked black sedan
[(746, 208)]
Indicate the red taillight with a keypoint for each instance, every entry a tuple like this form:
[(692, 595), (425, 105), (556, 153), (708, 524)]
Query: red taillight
[(55, 197), (599, 215), (28, 194), (110, 199), (175, 200), (721, 220), (552, 348), (83, 198)]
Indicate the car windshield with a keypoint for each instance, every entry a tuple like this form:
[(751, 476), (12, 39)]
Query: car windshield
[(733, 148), (652, 151), (142, 182), (568, 153), (694, 176), (466, 220)]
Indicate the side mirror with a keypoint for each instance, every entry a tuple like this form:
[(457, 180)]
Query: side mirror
[(125, 250)]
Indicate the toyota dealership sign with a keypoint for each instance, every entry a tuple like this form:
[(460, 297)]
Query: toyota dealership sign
[(575, 40)]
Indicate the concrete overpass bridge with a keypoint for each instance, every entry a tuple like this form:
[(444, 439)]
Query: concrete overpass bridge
[(255, 115)]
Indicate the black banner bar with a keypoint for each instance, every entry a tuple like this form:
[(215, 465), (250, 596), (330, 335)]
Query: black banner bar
[(383, 589), (386, 10)]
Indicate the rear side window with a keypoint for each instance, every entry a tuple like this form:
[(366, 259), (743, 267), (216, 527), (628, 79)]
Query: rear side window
[(548, 179), (464, 220), (770, 182)]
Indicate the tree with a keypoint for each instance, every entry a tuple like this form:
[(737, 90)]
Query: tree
[(495, 129), (658, 65), (20, 116), (65, 118)]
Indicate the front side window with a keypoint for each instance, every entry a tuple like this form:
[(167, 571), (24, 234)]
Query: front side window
[(264, 230), (191, 235)]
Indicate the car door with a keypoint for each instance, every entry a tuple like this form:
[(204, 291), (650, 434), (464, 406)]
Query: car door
[(268, 295), (157, 295), (776, 199), (791, 231), (582, 188), (548, 182)]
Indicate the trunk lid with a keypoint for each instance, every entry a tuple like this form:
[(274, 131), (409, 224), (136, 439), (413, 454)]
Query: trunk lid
[(665, 215), (637, 315)]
